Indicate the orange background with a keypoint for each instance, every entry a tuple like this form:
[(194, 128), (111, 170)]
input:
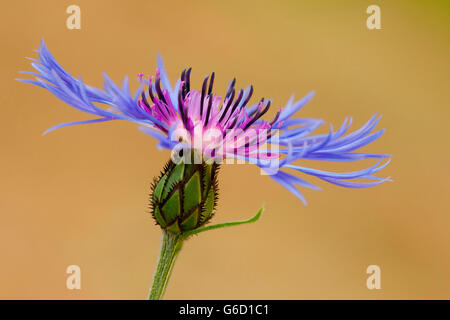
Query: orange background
[(79, 195)]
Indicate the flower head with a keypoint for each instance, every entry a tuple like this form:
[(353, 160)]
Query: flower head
[(228, 127)]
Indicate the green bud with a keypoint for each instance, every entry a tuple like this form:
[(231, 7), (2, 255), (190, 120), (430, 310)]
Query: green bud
[(184, 196)]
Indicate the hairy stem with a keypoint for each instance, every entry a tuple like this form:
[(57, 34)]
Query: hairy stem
[(170, 248), (171, 245)]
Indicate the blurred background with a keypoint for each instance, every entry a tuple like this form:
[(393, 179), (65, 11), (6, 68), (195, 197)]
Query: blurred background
[(79, 195)]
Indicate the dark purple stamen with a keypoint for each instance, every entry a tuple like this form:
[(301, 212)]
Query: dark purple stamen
[(265, 110), (249, 95), (209, 106), (231, 111), (230, 100), (161, 106), (188, 80), (144, 99), (181, 107), (276, 118), (258, 114), (230, 87), (236, 103), (183, 80), (205, 82), (159, 91), (211, 83), (150, 92)]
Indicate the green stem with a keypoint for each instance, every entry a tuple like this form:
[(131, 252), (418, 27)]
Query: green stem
[(171, 245), (170, 248)]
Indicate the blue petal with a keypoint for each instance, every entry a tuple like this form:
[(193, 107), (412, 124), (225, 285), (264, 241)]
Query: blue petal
[(166, 83), (290, 187), (162, 139), (74, 123), (345, 175), (351, 184), (291, 109)]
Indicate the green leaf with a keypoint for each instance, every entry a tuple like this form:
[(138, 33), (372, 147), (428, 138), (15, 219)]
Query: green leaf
[(159, 187), (174, 227), (191, 221), (158, 217), (188, 168), (175, 176), (171, 209), (208, 206), (192, 193), (206, 179), (223, 225)]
